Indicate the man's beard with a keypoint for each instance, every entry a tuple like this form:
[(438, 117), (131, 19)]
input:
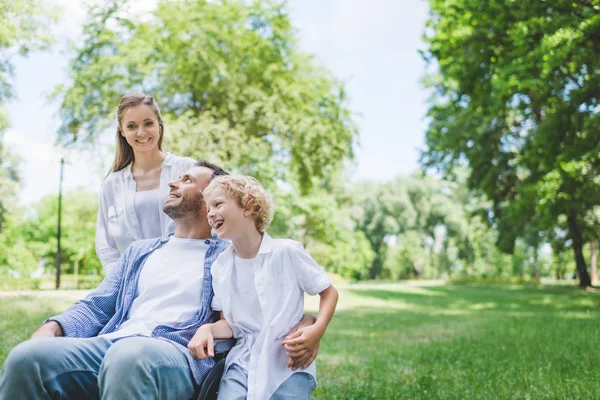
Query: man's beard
[(187, 206)]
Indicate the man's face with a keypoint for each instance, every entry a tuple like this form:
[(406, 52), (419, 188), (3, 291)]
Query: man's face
[(185, 197)]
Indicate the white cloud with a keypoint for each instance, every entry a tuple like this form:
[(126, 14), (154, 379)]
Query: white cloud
[(355, 20), (14, 138), (42, 152)]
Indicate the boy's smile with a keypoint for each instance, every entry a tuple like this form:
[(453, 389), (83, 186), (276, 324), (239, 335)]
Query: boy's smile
[(225, 215)]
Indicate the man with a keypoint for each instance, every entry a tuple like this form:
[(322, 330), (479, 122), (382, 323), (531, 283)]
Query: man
[(128, 338)]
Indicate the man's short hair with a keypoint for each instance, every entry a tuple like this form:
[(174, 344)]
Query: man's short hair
[(217, 171)]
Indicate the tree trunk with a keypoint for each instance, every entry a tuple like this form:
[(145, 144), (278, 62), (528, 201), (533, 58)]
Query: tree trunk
[(76, 273), (594, 261), (582, 273), (536, 263), (419, 269)]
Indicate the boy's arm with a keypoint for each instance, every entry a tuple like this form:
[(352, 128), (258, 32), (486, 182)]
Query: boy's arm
[(304, 343), (202, 344)]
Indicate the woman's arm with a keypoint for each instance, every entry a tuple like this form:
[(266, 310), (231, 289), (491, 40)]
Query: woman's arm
[(106, 247)]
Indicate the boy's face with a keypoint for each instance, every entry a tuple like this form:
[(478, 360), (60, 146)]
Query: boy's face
[(226, 216)]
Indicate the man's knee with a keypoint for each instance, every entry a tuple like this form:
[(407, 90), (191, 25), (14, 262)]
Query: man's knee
[(141, 368), (130, 358), (28, 357)]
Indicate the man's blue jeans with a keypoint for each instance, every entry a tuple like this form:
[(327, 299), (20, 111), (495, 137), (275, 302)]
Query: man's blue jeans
[(96, 368)]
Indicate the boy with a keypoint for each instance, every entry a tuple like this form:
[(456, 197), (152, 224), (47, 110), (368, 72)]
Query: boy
[(259, 284)]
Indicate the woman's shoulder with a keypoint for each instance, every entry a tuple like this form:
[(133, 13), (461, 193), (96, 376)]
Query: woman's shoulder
[(113, 178)]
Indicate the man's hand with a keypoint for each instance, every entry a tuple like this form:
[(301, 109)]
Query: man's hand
[(202, 344), (302, 346), (49, 329)]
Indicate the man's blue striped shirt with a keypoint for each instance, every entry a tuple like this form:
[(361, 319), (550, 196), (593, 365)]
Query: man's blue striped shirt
[(106, 308)]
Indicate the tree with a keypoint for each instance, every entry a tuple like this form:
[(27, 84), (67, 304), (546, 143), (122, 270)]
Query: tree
[(38, 230), (229, 77), (9, 172), (515, 99), (23, 27)]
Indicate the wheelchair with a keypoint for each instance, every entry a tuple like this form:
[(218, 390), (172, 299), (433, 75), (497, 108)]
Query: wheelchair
[(210, 386)]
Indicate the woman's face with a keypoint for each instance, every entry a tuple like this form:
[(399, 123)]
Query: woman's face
[(140, 127)]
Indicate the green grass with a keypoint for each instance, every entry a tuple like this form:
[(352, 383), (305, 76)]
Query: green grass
[(395, 341)]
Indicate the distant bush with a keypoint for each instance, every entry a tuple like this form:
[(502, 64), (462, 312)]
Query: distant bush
[(47, 282), (10, 284), (70, 282)]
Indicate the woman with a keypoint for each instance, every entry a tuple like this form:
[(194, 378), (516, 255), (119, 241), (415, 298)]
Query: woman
[(135, 190)]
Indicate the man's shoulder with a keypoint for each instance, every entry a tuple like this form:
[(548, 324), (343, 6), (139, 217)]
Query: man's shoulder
[(143, 245), (223, 252)]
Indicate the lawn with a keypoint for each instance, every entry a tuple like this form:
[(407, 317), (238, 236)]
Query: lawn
[(396, 341)]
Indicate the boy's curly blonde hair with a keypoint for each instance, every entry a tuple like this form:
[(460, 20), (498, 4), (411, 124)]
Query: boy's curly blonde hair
[(249, 194)]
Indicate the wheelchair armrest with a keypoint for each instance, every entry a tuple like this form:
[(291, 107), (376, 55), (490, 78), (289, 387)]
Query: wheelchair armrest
[(222, 346)]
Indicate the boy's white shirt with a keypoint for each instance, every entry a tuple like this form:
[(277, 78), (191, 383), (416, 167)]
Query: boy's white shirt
[(283, 271)]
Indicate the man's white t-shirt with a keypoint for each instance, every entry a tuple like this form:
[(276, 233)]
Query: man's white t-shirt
[(169, 288)]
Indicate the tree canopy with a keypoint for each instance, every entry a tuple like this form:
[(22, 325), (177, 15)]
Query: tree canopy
[(516, 98)]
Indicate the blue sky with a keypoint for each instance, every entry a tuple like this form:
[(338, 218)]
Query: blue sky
[(372, 46)]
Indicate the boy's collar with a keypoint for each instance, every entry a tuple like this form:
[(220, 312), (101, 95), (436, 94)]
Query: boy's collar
[(266, 246)]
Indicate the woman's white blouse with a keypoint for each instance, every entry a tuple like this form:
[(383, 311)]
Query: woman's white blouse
[(117, 225)]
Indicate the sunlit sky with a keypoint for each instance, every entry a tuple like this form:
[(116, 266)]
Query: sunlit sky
[(371, 45)]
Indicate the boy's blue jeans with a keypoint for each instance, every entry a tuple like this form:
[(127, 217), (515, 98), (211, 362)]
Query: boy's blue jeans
[(94, 368), (234, 386)]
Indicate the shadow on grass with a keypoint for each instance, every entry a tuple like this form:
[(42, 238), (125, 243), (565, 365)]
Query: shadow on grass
[(480, 298)]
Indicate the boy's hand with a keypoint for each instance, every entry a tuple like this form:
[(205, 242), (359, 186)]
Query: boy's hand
[(202, 344), (302, 358), (302, 346)]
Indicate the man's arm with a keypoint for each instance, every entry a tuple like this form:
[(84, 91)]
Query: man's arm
[(298, 358), (49, 329), (88, 316), (305, 341)]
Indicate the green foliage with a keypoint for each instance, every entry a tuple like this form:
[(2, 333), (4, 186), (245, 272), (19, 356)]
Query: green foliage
[(516, 99), (24, 27), (9, 171), (17, 258), (230, 78), (30, 237), (234, 89)]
